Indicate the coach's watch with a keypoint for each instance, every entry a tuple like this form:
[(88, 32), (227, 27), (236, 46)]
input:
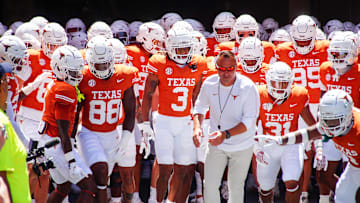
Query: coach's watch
[(227, 134)]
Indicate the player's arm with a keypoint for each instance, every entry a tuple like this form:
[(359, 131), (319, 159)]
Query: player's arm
[(152, 81), (129, 104), (62, 110), (307, 116), (196, 90), (77, 118), (300, 136)]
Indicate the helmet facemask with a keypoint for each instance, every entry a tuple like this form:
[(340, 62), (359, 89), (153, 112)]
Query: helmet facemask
[(180, 46), (279, 79)]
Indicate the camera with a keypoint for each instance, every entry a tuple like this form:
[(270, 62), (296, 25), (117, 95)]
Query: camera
[(36, 152)]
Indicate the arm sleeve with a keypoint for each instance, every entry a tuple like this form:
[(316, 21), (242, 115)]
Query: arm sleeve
[(251, 107), (202, 102)]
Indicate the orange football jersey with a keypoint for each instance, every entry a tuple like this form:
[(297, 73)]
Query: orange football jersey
[(211, 46), (59, 92), (349, 82), (15, 84), (139, 60), (257, 77), (176, 84), (277, 120), (349, 144), (39, 63), (102, 108), (305, 67), (269, 49)]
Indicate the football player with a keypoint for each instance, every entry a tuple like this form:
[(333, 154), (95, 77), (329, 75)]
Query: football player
[(339, 121), (109, 96), (222, 28), (33, 93), (178, 75), (246, 26), (150, 38), (340, 72), (58, 120), (251, 57), (281, 106)]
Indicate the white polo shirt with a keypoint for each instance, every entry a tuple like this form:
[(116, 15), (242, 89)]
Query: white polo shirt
[(240, 105)]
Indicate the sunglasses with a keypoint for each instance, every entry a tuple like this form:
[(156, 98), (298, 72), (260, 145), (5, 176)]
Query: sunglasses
[(229, 69)]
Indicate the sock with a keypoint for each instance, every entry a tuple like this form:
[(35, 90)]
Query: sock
[(115, 200), (168, 201), (324, 199), (136, 195), (152, 193), (198, 184), (304, 194)]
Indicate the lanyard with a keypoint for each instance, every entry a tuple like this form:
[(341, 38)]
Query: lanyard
[(226, 101)]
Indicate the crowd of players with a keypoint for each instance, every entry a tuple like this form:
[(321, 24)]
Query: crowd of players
[(117, 87)]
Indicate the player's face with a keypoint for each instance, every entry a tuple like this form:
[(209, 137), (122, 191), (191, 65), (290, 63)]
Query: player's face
[(277, 42), (303, 43), (102, 66), (244, 34), (182, 52), (223, 30), (280, 86)]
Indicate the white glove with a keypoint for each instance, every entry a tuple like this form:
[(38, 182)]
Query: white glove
[(125, 139), (36, 83), (320, 162), (261, 156), (224, 190), (76, 172), (145, 129), (268, 139), (145, 146)]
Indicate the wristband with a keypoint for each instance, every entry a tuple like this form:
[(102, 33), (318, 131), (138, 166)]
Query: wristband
[(291, 138), (28, 89), (69, 156), (304, 135)]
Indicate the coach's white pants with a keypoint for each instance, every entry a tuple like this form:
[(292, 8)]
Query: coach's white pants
[(215, 163)]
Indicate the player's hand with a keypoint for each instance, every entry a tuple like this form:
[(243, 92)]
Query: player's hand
[(146, 129), (36, 83), (76, 172), (320, 161), (126, 135), (216, 138), (268, 139), (40, 79), (197, 135), (145, 146)]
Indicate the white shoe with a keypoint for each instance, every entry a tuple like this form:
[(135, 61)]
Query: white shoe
[(304, 197), (152, 201), (136, 199)]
